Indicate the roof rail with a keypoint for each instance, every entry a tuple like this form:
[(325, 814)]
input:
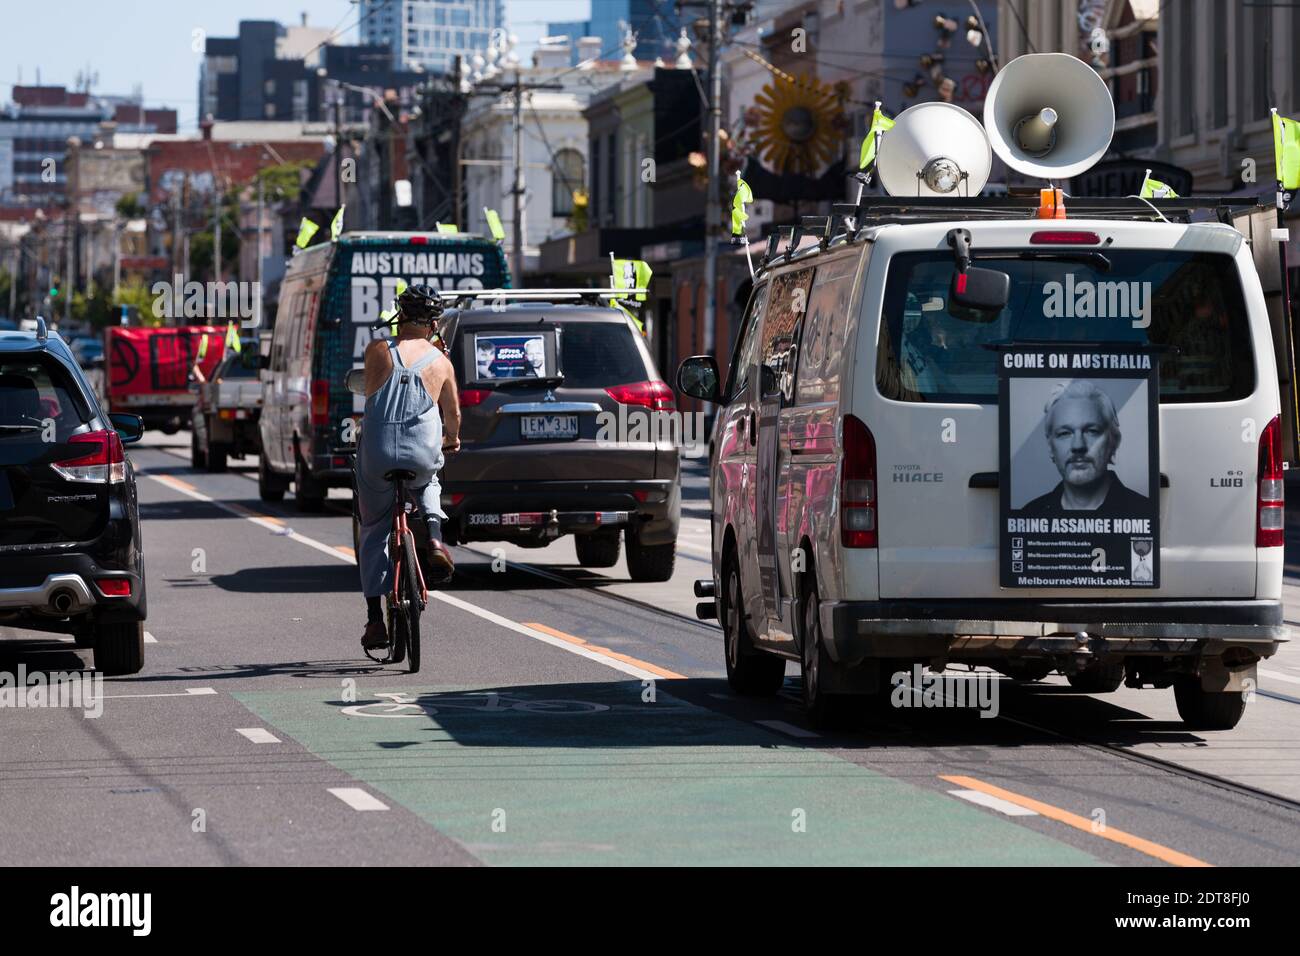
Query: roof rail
[(542, 295), (42, 333), (871, 210)]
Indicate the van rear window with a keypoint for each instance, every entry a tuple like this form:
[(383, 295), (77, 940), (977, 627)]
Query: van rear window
[(1193, 302)]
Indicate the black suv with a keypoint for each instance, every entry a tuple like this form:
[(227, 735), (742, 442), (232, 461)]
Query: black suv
[(71, 558)]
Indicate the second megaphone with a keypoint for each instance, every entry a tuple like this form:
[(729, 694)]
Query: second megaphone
[(1049, 115)]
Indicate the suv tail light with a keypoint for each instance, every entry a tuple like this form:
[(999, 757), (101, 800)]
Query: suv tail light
[(473, 396), (858, 486), (1270, 525), (105, 464), (320, 402), (653, 395)]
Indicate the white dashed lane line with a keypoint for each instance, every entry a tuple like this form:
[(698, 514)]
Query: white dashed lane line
[(358, 799), (188, 692), (258, 735), (993, 803), (149, 638)]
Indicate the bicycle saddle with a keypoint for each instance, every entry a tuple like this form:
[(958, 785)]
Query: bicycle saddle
[(399, 474)]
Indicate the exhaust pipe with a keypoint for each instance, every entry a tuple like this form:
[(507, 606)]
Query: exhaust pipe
[(63, 600)]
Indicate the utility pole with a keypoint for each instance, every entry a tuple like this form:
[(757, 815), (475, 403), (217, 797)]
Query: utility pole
[(518, 88), (712, 200), (517, 190), (216, 233), (259, 250)]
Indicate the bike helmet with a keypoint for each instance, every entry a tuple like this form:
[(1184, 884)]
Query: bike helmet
[(420, 304)]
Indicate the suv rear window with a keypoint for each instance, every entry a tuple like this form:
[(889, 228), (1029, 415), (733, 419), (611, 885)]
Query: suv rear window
[(34, 391), (1196, 311), (599, 354)]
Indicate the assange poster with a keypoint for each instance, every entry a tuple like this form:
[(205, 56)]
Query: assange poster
[(1080, 471)]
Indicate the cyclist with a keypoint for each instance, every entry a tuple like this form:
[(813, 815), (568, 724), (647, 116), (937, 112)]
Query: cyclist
[(408, 379)]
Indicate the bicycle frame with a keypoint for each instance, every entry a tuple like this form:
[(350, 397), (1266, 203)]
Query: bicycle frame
[(400, 528)]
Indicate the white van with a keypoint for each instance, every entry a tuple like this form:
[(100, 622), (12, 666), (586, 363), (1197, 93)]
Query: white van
[(903, 473)]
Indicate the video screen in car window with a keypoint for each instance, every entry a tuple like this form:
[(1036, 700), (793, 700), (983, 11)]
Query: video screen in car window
[(502, 355)]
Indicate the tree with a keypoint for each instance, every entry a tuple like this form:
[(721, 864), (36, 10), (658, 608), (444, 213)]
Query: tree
[(129, 206)]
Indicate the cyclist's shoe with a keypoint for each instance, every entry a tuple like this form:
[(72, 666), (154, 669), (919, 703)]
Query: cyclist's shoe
[(441, 566), (376, 636)]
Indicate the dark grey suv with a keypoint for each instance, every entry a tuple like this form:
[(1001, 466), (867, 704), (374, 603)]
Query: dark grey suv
[(567, 429)]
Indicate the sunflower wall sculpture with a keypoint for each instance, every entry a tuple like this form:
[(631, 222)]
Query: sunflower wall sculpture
[(799, 125)]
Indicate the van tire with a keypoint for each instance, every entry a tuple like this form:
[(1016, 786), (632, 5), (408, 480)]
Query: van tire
[(198, 460), (649, 562), (1098, 679), (270, 487), (217, 455), (119, 647), (1207, 709), (596, 550), (307, 493), (825, 711), (750, 672)]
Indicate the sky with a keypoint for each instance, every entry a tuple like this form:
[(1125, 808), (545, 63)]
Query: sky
[(150, 43)]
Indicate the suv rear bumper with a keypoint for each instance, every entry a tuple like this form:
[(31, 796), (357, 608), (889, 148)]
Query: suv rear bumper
[(35, 581), (967, 630), (566, 506)]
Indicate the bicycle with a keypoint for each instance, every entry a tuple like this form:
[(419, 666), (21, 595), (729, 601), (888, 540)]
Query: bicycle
[(408, 596)]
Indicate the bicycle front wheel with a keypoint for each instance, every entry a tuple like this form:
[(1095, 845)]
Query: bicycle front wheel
[(411, 601)]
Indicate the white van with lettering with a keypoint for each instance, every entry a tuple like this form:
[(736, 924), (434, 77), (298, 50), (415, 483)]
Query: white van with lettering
[(330, 296), (1036, 445)]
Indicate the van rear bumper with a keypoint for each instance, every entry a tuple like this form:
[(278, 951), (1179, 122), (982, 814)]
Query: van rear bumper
[(959, 630)]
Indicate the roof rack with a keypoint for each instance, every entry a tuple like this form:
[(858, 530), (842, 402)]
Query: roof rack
[(872, 210), (543, 295), (880, 210)]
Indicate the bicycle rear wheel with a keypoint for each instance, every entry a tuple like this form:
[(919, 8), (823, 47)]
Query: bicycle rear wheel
[(411, 601)]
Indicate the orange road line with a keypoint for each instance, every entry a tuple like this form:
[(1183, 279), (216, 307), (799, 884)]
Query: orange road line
[(1162, 853), (176, 482), (616, 655), (346, 550)]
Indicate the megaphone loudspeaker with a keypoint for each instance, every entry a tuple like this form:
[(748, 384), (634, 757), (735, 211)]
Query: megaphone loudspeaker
[(1049, 115), (934, 149)]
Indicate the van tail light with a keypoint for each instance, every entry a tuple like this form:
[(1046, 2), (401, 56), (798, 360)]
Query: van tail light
[(858, 501), (1063, 237), (1270, 525), (653, 395), (320, 402), (473, 396), (104, 463), (114, 587)]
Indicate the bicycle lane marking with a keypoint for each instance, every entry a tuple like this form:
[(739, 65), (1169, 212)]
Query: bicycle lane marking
[(619, 662), (594, 773)]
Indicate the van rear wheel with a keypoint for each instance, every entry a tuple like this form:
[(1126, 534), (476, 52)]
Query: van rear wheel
[(198, 460), (749, 672), (825, 711), (1207, 709), (307, 493), (270, 487)]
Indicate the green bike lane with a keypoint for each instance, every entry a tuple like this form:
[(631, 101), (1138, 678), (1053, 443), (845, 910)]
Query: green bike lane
[(596, 773)]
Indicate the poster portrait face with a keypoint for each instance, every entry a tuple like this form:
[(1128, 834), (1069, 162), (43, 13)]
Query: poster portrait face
[(536, 355), (1083, 434), (1077, 435)]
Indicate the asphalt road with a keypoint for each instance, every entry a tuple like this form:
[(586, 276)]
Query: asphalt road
[(570, 717)]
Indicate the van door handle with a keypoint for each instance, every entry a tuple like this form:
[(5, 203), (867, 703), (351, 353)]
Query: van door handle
[(989, 479)]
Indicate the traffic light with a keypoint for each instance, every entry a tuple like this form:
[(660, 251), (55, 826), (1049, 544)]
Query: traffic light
[(54, 287)]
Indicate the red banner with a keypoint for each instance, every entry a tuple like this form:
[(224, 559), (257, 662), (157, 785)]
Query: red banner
[(147, 362)]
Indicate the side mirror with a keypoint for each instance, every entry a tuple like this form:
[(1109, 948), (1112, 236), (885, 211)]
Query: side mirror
[(698, 377), (981, 293), (768, 381), (356, 381), (130, 428)]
